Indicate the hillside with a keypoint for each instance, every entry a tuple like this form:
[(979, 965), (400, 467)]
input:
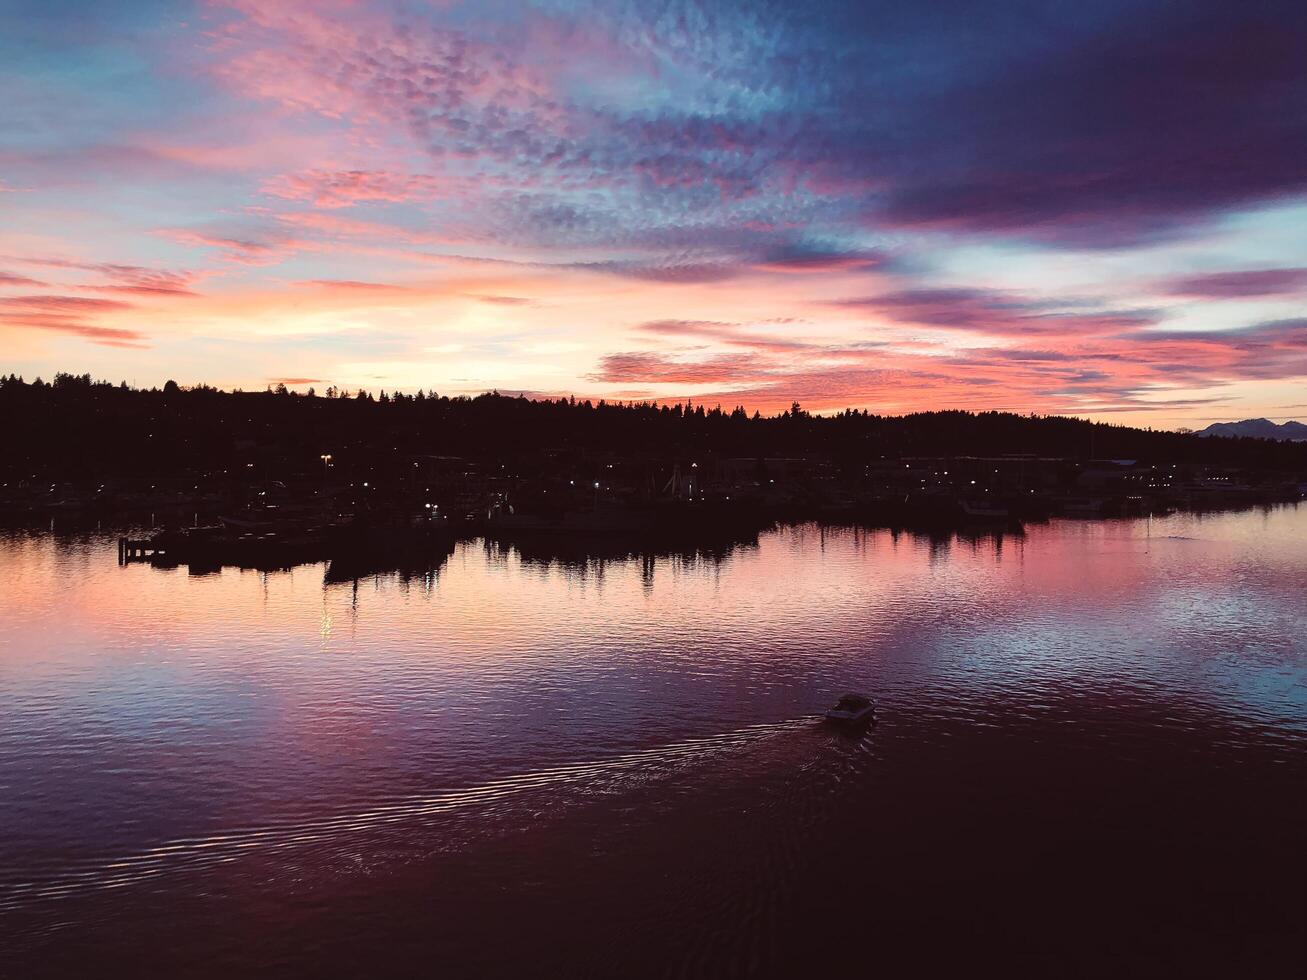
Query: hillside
[(1257, 429)]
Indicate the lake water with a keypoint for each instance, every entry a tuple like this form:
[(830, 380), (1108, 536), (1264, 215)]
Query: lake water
[(1090, 756)]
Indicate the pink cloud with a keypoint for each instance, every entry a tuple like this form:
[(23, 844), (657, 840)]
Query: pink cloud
[(491, 108), (68, 314), (13, 281), (241, 251), (138, 290), (334, 226), (347, 59), (125, 279), (504, 300), (135, 281), (350, 285), (1122, 370), (728, 333), (649, 367), (249, 143), (345, 188), (61, 304)]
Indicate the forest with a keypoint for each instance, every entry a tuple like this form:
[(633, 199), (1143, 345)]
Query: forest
[(76, 428)]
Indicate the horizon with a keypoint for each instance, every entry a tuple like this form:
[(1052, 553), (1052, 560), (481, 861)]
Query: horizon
[(311, 390), (1090, 213)]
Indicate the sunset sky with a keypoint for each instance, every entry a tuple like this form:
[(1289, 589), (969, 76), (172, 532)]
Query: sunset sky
[(1091, 208)]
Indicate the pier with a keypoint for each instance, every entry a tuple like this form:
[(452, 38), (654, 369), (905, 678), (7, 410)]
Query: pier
[(137, 549)]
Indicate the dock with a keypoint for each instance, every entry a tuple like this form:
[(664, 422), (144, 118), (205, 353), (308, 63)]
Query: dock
[(138, 549)]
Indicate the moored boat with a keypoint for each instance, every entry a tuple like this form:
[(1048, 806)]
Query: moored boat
[(985, 510)]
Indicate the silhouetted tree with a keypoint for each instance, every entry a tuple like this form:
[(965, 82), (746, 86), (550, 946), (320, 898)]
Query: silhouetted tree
[(78, 427)]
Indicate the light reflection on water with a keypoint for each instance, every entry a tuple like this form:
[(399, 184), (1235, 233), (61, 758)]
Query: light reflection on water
[(157, 725)]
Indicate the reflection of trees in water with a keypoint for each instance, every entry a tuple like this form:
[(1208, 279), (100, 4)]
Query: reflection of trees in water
[(584, 557), (67, 545), (578, 557), (939, 541), (976, 539), (418, 564)]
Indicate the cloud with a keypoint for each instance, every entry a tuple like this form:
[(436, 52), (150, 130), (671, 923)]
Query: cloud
[(801, 257), (135, 281), (1288, 332), (1117, 126), (1134, 369), (138, 289), (11, 281), (70, 315), (504, 300), (104, 336), (346, 188), (996, 312), (255, 250), (287, 232), (1234, 285), (61, 304), (1127, 130), (665, 270), (734, 334), (624, 368), (350, 285), (126, 279)]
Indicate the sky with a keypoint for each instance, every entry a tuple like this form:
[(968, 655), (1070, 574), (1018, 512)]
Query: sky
[(1095, 209)]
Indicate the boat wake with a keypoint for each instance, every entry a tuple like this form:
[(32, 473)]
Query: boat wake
[(386, 827)]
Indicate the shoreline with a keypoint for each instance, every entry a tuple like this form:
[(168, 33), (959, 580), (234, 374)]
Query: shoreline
[(356, 552)]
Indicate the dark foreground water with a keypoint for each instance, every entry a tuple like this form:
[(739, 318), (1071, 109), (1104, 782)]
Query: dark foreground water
[(1091, 760)]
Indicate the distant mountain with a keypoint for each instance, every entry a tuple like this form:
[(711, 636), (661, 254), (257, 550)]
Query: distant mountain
[(1258, 429)]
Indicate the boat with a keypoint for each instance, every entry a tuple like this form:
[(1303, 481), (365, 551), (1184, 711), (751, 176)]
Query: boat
[(1081, 506), (984, 510), (852, 711)]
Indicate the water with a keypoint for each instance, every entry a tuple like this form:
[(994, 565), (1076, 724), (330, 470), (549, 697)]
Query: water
[(1091, 755)]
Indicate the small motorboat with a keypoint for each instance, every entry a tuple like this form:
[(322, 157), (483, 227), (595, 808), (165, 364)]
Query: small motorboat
[(852, 711)]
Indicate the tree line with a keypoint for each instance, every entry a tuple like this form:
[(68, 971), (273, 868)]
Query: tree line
[(73, 427)]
